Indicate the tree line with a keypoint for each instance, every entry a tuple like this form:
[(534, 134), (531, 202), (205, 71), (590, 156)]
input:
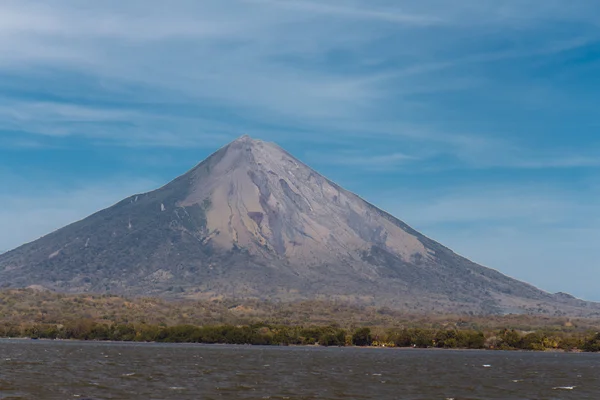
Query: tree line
[(333, 335)]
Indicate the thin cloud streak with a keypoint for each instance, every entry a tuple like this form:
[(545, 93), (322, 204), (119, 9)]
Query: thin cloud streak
[(121, 43), (377, 162), (385, 15)]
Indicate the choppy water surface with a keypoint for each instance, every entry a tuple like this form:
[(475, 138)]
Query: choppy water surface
[(87, 370)]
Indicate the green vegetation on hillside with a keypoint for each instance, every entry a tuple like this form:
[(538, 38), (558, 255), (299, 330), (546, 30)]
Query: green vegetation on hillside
[(48, 315)]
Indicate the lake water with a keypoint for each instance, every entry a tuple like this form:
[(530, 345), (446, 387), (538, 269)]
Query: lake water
[(92, 370)]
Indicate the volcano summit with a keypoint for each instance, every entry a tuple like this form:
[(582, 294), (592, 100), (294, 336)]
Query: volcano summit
[(251, 221)]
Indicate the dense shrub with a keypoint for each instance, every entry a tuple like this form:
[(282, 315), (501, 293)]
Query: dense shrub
[(592, 344), (265, 334), (362, 337)]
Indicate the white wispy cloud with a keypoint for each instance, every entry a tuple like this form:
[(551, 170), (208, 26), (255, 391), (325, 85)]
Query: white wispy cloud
[(366, 11), (575, 161), (105, 125), (40, 111), (268, 61), (375, 162), (130, 20), (507, 155), (203, 50)]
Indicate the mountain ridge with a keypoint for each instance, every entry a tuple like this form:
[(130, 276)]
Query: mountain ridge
[(252, 221)]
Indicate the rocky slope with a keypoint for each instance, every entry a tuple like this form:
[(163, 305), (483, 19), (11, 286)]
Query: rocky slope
[(251, 221)]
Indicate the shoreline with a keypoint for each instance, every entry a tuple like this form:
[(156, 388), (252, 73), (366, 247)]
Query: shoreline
[(410, 348)]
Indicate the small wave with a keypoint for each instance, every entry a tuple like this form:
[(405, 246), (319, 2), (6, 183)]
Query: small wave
[(564, 387)]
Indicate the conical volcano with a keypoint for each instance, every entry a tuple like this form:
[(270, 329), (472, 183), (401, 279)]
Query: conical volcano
[(251, 221)]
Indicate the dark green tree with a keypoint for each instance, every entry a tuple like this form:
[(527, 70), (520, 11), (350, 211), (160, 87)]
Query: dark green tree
[(362, 337), (592, 344)]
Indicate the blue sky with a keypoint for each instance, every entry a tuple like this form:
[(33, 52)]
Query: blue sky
[(475, 121)]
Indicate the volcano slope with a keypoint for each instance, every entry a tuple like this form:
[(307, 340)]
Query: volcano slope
[(251, 221)]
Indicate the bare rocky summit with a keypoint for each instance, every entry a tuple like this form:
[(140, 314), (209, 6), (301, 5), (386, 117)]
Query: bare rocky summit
[(251, 221)]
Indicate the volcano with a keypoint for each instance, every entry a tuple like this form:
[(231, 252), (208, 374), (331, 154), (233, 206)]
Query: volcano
[(252, 221)]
